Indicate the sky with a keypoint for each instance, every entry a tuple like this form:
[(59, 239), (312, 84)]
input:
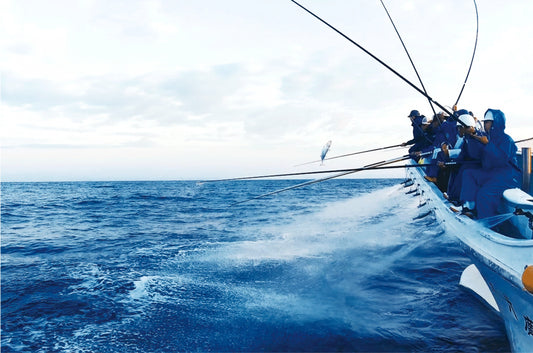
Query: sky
[(179, 90)]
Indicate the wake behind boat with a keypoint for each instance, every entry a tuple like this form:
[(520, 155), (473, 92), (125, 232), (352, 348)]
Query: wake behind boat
[(499, 245), (499, 273)]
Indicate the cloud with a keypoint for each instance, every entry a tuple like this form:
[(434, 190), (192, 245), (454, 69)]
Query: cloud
[(203, 92), (34, 94), (127, 18), (267, 103), (252, 80)]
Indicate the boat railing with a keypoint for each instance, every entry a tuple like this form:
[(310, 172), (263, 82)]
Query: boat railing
[(526, 170)]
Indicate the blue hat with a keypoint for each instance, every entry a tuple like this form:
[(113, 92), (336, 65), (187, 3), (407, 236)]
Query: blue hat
[(413, 113)]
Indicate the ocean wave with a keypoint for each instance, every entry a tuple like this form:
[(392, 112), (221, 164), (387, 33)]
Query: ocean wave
[(167, 266)]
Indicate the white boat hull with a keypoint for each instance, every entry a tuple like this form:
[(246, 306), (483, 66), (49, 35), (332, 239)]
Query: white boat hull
[(499, 259)]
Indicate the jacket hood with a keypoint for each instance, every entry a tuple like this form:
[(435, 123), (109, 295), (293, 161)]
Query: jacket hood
[(498, 124)]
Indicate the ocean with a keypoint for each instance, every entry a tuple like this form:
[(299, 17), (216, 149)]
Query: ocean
[(343, 265)]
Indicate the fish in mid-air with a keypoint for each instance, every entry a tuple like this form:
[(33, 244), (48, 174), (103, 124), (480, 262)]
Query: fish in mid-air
[(325, 150)]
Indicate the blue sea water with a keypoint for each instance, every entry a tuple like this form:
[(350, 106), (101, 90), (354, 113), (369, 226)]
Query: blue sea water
[(344, 265)]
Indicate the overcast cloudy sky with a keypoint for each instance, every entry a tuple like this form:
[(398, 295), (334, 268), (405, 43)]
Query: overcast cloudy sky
[(148, 90)]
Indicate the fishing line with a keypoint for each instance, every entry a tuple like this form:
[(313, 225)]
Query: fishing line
[(374, 57), (402, 158), (329, 171), (373, 166), (346, 172), (493, 221), (473, 55), (353, 153), (349, 171), (416, 71), (409, 56)]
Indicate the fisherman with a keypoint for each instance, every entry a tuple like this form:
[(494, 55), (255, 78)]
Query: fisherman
[(419, 137), (470, 155), (416, 122), (483, 187), (438, 137), (427, 126), (424, 144), (446, 138), (450, 128)]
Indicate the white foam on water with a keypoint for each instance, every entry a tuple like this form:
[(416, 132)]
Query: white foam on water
[(371, 220), (334, 254), (92, 276), (341, 247), (160, 288), (140, 287)]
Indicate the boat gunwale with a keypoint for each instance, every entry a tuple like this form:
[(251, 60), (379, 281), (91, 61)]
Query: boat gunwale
[(484, 231), (441, 206)]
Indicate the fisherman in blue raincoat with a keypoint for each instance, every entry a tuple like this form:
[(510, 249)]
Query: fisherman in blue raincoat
[(428, 135), (419, 136), (440, 131), (474, 141), (446, 137), (449, 128), (483, 188)]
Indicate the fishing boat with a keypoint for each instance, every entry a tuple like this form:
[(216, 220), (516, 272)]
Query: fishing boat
[(499, 274)]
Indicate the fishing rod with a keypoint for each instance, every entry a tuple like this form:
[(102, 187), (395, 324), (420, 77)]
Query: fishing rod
[(473, 54), (335, 170), (292, 187), (367, 167), (524, 140), (353, 153), (431, 100), (409, 56), (397, 159), (348, 171), (375, 58)]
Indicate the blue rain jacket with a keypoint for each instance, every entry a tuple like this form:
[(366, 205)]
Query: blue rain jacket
[(446, 133), (472, 149), (471, 152), (499, 170), (421, 138), (418, 133)]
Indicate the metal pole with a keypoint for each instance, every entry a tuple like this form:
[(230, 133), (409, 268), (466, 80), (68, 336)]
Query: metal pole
[(526, 169)]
